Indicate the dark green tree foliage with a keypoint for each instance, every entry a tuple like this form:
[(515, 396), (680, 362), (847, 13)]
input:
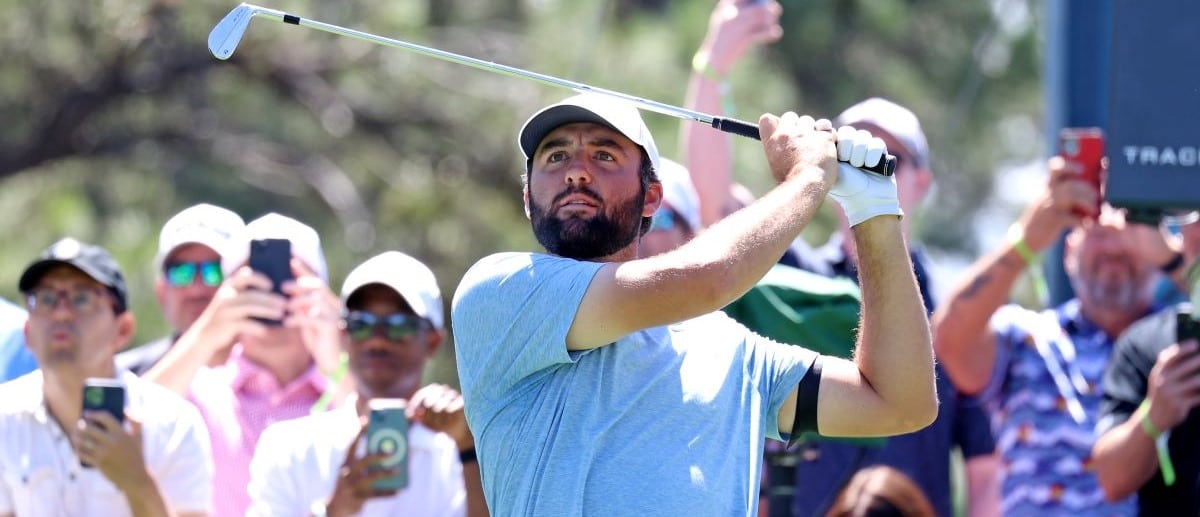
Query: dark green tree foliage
[(115, 115)]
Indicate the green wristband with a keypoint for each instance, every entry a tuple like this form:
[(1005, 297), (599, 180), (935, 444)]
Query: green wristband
[(1160, 444), (1016, 236)]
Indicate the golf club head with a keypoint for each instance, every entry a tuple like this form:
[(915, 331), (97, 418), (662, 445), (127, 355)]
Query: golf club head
[(228, 32)]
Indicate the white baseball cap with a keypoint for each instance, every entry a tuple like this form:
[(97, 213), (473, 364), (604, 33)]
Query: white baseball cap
[(898, 121), (679, 193), (618, 115), (306, 244), (411, 279), (210, 225)]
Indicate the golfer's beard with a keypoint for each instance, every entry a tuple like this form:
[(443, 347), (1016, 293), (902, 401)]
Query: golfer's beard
[(587, 239)]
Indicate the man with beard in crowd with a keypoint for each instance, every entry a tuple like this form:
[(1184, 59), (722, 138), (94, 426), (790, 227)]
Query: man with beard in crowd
[(598, 381), (1039, 373)]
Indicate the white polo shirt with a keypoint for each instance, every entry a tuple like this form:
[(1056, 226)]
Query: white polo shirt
[(297, 461), (41, 475)]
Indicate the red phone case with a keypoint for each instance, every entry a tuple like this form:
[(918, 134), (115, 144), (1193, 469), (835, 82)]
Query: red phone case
[(1085, 146)]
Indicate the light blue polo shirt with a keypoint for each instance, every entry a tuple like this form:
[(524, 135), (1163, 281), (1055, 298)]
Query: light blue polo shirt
[(666, 421)]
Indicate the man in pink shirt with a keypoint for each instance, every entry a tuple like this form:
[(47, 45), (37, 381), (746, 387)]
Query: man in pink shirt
[(274, 372)]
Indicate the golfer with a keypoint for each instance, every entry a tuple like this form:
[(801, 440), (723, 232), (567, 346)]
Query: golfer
[(597, 382)]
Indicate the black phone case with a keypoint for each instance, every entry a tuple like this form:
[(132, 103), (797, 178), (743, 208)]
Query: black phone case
[(104, 395), (1186, 328), (272, 259)]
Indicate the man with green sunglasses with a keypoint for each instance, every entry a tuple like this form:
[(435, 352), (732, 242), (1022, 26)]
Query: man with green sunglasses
[(189, 271)]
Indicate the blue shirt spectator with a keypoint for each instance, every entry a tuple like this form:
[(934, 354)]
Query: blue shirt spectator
[(15, 358)]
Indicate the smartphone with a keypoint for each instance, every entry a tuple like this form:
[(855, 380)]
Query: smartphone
[(1085, 147), (272, 258), (1186, 327), (387, 432), (104, 395)]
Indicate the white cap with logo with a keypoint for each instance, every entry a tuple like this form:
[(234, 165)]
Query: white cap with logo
[(306, 244), (410, 278), (210, 225), (619, 115)]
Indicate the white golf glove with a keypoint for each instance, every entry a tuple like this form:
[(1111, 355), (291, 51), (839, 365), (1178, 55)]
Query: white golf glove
[(863, 194)]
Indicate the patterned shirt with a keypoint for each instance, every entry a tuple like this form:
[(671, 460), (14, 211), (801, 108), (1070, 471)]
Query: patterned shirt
[(238, 400), (1044, 396)]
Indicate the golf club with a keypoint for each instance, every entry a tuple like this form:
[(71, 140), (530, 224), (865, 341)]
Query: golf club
[(228, 32)]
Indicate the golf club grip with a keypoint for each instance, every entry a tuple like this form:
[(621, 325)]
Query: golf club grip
[(886, 167)]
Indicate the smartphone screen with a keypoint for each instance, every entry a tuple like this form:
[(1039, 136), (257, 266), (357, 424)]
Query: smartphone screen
[(1085, 147), (387, 432), (104, 395)]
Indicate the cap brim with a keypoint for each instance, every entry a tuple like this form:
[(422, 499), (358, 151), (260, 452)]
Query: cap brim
[(550, 118), (38, 269)]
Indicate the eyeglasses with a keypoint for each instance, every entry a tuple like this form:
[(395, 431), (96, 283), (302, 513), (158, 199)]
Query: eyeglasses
[(664, 219), (82, 301), (396, 327), (183, 274)]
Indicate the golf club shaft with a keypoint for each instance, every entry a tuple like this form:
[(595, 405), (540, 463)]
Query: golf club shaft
[(729, 125)]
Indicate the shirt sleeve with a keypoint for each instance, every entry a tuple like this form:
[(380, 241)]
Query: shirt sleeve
[(511, 314), (187, 486), (972, 428), (272, 490), (779, 368), (1127, 375)]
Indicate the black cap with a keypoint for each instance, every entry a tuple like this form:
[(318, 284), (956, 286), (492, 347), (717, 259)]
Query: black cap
[(92, 260)]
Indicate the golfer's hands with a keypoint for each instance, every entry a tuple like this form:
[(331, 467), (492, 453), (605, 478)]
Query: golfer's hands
[(861, 194), (798, 145)]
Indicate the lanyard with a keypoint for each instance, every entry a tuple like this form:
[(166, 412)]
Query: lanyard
[(1048, 338)]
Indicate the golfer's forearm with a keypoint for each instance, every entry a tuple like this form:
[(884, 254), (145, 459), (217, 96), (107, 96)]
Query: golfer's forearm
[(894, 353), (725, 261)]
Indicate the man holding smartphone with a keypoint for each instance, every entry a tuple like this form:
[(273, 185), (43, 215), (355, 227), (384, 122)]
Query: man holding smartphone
[(322, 464), (157, 463), (1149, 425), (189, 270), (1040, 372), (283, 351)]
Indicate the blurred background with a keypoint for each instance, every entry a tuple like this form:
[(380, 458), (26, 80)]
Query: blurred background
[(116, 116)]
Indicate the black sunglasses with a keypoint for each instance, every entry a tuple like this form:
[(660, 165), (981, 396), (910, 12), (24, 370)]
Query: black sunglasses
[(395, 327)]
